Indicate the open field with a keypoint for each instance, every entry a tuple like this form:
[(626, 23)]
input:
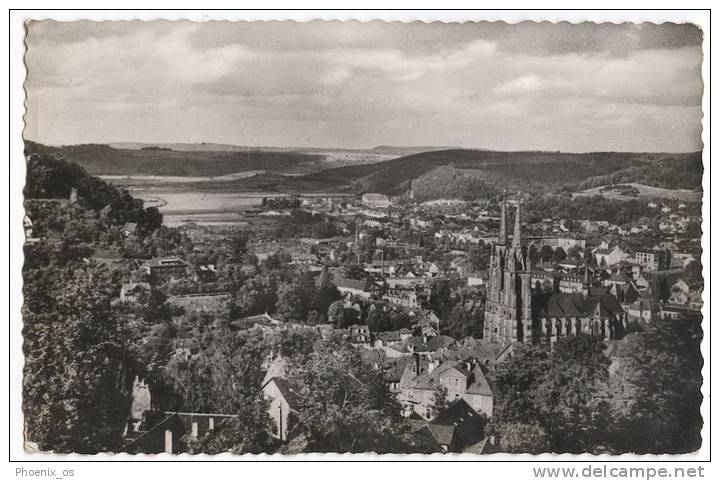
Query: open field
[(642, 191)]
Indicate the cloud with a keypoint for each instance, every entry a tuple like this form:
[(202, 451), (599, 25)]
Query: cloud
[(336, 76), (522, 84), (354, 85)]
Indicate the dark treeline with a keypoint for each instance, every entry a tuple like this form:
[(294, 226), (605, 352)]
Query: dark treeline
[(50, 177), (103, 159), (588, 208), (574, 399), (681, 171)]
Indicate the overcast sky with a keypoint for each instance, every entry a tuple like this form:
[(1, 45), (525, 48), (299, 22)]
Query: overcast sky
[(528, 86)]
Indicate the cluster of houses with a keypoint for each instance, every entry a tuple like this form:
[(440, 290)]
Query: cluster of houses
[(419, 365), (428, 369)]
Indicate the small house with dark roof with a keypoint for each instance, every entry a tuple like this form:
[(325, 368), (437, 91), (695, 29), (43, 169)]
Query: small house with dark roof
[(171, 432), (441, 342), (456, 428)]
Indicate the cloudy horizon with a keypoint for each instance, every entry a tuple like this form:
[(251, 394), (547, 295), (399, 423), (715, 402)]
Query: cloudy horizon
[(330, 84)]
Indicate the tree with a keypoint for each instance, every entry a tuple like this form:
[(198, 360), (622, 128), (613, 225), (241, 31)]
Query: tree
[(76, 375), (348, 317), (249, 432), (694, 230), (559, 255), (354, 271), (400, 320), (238, 244), (516, 382), (379, 321), (467, 317), (655, 395), (441, 298), (295, 299), (576, 253), (440, 400), (293, 342), (326, 295), (546, 253), (256, 296), (694, 271), (335, 313), (341, 396), (561, 392), (150, 220), (522, 438), (569, 395), (479, 258), (225, 377)]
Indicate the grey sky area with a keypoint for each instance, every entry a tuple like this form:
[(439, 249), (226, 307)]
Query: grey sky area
[(527, 86)]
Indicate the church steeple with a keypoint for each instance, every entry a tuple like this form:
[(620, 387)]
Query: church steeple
[(502, 238), (516, 234)]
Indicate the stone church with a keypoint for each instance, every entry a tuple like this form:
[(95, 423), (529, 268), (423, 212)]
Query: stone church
[(517, 312)]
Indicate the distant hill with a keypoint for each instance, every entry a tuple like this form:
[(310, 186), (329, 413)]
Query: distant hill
[(380, 150), (453, 173), (162, 159), (472, 173), (182, 147), (402, 151)]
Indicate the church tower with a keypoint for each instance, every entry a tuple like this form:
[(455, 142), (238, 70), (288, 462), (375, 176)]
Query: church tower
[(508, 309)]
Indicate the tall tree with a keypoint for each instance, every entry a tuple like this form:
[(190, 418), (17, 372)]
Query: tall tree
[(76, 373), (340, 396), (569, 395), (655, 393)]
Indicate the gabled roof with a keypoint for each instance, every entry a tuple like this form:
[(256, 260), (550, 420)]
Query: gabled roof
[(441, 433), (618, 278), (166, 261), (560, 305), (389, 336), (483, 447), (346, 283), (290, 396), (455, 370), (609, 305), (480, 383), (133, 286), (439, 342), (444, 428), (276, 369), (395, 372)]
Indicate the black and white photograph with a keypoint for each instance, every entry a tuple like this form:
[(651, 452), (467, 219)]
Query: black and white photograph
[(284, 237)]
